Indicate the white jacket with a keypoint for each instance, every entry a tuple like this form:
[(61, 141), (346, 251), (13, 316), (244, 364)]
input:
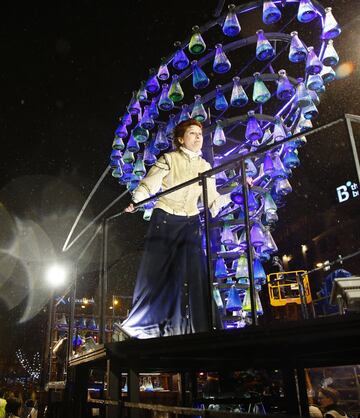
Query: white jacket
[(174, 168)]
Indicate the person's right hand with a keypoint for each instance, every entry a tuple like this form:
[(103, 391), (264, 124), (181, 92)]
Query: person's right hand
[(130, 208)]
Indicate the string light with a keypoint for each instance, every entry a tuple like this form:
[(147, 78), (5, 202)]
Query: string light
[(33, 368)]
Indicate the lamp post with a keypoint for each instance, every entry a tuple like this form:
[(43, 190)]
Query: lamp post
[(55, 277)]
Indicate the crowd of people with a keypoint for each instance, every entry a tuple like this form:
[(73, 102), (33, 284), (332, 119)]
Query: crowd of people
[(13, 406)]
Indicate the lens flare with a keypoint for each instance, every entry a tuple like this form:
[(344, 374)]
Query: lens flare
[(345, 69)]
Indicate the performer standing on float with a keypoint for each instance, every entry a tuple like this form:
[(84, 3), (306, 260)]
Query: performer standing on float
[(171, 292)]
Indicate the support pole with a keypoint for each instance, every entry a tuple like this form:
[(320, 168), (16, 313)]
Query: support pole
[(133, 392), (71, 316), (47, 349), (303, 304), (302, 392), (210, 271), (103, 281), (290, 391), (113, 387), (248, 243)]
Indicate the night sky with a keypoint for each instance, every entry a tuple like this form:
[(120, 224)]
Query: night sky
[(67, 73)]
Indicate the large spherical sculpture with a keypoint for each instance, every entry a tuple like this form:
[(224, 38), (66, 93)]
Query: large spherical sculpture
[(253, 76)]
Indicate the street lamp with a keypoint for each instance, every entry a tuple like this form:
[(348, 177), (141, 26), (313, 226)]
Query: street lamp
[(56, 275)]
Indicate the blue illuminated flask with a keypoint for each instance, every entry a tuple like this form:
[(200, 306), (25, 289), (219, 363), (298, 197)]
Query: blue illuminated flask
[(161, 141), (176, 93), (238, 95), (242, 271), (118, 144), (268, 165), (163, 71), (253, 130), (330, 56), (261, 93), (217, 297), (196, 44), (180, 60), (220, 99), (121, 131), (314, 82), (269, 204), (165, 103), (279, 171), (264, 49), (147, 122), (140, 134), (199, 79), (282, 187), (310, 111), (115, 155), (152, 147), (285, 90), (233, 302), (314, 96), (313, 64), (169, 131), (231, 26), (327, 74), (219, 137), (237, 195), (114, 163), (331, 27), (279, 132), (270, 245), (117, 172), (147, 213), (271, 13), (302, 98), (153, 109), (306, 12), (297, 52), (132, 145), (127, 168), (198, 111), (134, 105), (152, 84), (257, 235), (221, 271), (141, 95), (126, 119), (139, 167), (149, 157), (184, 115), (303, 124), (250, 168), (128, 157), (133, 183), (290, 159), (259, 272), (221, 63), (247, 302)]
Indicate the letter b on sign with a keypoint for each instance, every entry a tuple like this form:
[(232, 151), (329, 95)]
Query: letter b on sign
[(342, 193)]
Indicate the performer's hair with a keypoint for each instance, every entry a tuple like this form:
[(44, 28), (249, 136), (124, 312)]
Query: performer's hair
[(180, 130)]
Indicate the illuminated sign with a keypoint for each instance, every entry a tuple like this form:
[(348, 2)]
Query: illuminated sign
[(347, 191), (83, 301)]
